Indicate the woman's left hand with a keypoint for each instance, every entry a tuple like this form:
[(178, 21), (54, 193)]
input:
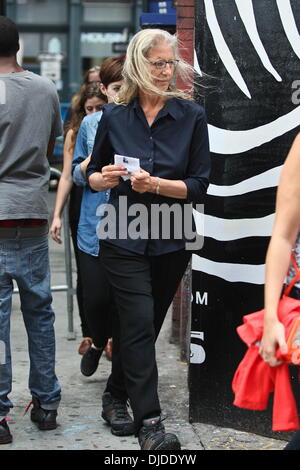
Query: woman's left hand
[(272, 339), (55, 229), (141, 182)]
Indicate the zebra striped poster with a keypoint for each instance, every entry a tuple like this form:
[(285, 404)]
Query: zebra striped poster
[(248, 52)]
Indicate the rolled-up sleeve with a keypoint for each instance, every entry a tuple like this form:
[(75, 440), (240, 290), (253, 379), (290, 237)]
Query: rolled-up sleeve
[(80, 154), (78, 177), (198, 170)]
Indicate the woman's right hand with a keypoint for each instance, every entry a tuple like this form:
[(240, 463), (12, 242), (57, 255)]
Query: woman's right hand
[(272, 339), (84, 164), (55, 229), (111, 175)]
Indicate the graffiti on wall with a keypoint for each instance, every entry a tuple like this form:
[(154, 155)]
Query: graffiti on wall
[(251, 52), (224, 141)]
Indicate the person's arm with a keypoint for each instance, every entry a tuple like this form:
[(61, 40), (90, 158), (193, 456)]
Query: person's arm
[(194, 186), (108, 178), (285, 231), (83, 166), (100, 174), (56, 127), (63, 190), (143, 182), (80, 156), (198, 170)]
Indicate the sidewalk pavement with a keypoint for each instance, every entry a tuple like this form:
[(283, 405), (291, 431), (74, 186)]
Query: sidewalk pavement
[(80, 424)]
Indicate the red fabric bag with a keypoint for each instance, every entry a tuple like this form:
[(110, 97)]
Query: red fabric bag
[(254, 379)]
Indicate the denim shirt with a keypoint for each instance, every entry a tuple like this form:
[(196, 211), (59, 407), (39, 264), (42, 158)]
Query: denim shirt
[(87, 238)]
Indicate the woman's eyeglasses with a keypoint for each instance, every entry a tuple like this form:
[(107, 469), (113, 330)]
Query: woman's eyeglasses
[(161, 64)]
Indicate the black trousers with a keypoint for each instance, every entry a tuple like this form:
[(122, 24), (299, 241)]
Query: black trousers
[(84, 326), (97, 298), (143, 287), (74, 214)]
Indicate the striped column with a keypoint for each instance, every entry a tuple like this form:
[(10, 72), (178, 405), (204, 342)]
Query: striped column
[(250, 53)]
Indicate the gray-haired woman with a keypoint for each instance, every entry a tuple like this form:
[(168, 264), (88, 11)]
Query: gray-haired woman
[(144, 258)]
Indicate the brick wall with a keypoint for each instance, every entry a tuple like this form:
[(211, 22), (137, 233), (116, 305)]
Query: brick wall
[(186, 28)]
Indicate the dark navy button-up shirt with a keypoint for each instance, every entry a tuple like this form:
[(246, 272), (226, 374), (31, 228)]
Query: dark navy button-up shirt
[(174, 147)]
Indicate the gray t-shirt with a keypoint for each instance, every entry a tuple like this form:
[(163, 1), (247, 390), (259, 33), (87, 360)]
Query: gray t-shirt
[(29, 117)]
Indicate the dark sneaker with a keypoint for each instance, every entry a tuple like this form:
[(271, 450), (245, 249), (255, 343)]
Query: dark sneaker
[(90, 360), (45, 419), (5, 436), (152, 436), (116, 414)]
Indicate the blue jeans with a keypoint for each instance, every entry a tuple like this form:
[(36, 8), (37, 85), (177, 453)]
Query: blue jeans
[(26, 261)]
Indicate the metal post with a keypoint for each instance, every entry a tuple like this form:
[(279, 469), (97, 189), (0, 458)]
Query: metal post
[(75, 75), (11, 9), (2, 7), (68, 265), (137, 10)]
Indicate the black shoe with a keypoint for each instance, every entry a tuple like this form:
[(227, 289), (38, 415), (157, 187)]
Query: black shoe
[(152, 436), (90, 360), (5, 436), (45, 419), (115, 413)]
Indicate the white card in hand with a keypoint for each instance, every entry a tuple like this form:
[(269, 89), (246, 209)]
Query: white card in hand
[(131, 164)]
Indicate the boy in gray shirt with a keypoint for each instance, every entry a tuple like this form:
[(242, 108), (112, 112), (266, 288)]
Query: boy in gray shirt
[(29, 123)]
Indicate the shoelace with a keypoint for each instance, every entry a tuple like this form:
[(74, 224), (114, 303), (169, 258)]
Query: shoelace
[(27, 407), (156, 427), (5, 419), (120, 407)]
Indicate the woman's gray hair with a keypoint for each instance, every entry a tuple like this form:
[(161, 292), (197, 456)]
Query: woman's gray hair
[(136, 67)]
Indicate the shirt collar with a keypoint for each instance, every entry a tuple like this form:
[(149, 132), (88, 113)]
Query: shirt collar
[(171, 107)]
